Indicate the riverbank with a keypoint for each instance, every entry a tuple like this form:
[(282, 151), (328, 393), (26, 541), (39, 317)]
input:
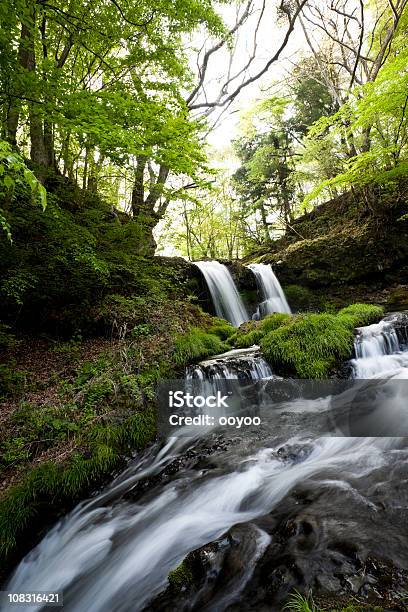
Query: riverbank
[(242, 521), (73, 412)]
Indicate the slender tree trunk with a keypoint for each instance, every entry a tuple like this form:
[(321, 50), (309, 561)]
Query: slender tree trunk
[(85, 174), (49, 145), (67, 167), (38, 152), (264, 223), (13, 115)]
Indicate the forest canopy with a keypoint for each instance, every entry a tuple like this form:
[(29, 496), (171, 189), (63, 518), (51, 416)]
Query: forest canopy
[(119, 99)]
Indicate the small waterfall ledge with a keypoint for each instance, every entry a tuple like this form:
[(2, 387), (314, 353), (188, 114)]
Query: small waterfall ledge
[(246, 364), (382, 348)]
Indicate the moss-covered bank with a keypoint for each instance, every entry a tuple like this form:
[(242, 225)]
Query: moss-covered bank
[(73, 411), (308, 345)]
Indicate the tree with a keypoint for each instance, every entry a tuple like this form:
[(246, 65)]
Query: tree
[(268, 180), (375, 119), (88, 86)]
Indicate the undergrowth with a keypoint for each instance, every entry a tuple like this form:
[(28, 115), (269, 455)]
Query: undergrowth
[(305, 603), (65, 483)]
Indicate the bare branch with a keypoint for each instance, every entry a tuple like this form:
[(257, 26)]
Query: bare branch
[(204, 66), (230, 97), (360, 45)]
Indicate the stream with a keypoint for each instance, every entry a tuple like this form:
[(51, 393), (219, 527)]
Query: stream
[(265, 510)]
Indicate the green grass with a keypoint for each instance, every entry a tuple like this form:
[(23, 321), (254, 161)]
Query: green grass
[(252, 331), (221, 328), (68, 482), (310, 345), (362, 314), (196, 344), (300, 603)]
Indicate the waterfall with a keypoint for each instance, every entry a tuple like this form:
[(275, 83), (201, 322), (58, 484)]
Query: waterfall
[(378, 350), (226, 299), (271, 292), (236, 364)]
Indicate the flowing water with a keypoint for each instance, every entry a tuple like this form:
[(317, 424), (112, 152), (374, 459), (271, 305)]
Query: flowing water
[(299, 507), (379, 350), (271, 292), (225, 296)]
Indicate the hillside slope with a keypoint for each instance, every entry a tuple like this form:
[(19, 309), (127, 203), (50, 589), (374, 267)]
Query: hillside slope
[(341, 251)]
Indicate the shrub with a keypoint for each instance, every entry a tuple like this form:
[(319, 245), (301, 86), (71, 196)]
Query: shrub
[(11, 382), (7, 339)]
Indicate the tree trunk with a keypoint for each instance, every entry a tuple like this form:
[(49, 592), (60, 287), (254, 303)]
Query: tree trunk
[(13, 115), (49, 145), (38, 152), (143, 208)]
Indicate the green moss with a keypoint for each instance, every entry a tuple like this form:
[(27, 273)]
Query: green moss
[(251, 332), (398, 299), (221, 328), (309, 345), (180, 577), (362, 314), (196, 344), (273, 321), (299, 298)]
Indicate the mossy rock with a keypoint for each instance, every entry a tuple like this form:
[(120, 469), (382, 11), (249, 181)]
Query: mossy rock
[(221, 328), (181, 577), (310, 345), (398, 299), (299, 298), (195, 345)]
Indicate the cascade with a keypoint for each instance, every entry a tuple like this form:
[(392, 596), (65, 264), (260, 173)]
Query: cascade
[(226, 299), (115, 550), (378, 350), (236, 364), (270, 290)]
